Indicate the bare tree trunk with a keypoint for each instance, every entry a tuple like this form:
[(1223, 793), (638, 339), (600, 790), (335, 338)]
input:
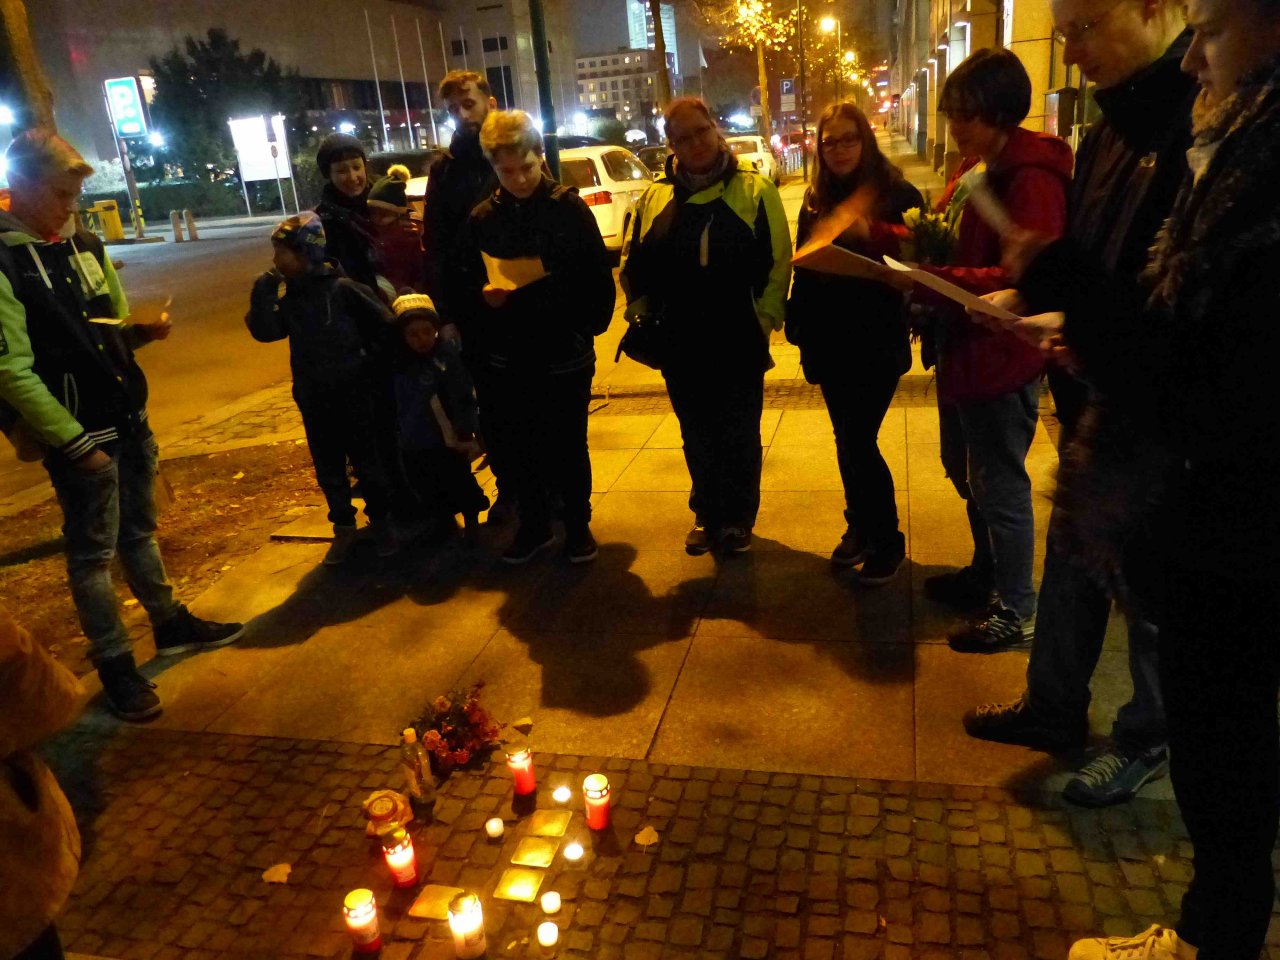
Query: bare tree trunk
[(34, 107), (663, 92), (766, 122)]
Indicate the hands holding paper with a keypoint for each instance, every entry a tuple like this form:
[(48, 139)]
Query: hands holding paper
[(160, 327), (1043, 330)]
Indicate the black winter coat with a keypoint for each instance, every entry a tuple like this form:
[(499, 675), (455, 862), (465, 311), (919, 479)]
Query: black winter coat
[(348, 236), (548, 326), (844, 326), (1128, 172), (1180, 462), (457, 183), (338, 330)]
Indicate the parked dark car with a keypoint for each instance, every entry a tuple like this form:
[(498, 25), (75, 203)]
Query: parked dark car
[(655, 158)]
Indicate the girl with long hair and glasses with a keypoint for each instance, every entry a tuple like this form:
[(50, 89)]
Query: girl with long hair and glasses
[(852, 332)]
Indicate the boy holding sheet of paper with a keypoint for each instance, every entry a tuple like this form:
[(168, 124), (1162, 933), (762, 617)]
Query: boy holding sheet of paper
[(535, 288)]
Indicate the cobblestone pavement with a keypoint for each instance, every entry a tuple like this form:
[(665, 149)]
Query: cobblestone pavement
[(179, 828)]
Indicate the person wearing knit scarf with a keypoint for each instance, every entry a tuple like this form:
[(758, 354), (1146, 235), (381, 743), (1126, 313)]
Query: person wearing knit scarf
[(697, 182)]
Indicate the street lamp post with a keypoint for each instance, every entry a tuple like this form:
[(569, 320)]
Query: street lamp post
[(835, 24), (804, 92), (542, 68)]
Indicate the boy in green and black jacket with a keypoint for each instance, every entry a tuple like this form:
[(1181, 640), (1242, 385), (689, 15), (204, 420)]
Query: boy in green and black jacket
[(68, 381)]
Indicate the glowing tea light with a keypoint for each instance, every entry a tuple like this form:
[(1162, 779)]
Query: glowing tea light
[(573, 852), (548, 934), (466, 922), (562, 795), (494, 828), (397, 847), (595, 793), (520, 763), (551, 902), (361, 913)]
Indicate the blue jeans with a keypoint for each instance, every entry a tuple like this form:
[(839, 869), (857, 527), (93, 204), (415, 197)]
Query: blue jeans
[(1070, 628), (996, 436), (105, 513)]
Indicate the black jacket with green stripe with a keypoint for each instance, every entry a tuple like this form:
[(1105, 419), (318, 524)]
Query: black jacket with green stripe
[(74, 382), (715, 264)]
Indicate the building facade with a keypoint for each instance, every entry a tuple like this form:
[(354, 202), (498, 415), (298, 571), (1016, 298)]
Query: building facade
[(932, 37), (620, 84), (336, 46), (641, 33), (495, 38)]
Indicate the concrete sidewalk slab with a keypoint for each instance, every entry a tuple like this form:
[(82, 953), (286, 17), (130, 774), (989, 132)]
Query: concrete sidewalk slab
[(336, 685), (786, 595), (843, 709), (645, 520), (626, 591), (799, 468), (596, 694)]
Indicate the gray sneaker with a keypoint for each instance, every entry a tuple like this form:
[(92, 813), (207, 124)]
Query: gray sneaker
[(1116, 776)]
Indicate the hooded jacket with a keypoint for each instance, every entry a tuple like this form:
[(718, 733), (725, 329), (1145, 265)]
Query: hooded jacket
[(1128, 172), (716, 264), (39, 841), (1030, 178), (549, 325), (336, 328), (458, 182), (74, 382)]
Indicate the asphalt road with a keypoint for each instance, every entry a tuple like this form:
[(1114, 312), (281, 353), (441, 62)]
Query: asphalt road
[(209, 360)]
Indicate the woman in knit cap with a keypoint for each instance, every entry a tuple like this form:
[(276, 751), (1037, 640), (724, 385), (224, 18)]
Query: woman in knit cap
[(397, 236), (344, 207)]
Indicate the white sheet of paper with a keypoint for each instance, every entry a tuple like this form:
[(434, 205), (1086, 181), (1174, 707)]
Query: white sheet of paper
[(515, 273), (828, 258), (970, 301)]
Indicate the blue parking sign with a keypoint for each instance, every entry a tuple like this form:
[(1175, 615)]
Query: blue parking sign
[(124, 99)]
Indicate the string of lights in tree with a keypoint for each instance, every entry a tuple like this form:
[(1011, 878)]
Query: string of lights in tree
[(753, 22)]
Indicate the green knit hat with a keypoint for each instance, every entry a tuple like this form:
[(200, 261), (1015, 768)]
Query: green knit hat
[(388, 193)]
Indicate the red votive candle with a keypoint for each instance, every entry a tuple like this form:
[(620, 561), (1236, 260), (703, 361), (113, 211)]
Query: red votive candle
[(521, 765), (361, 913), (595, 795), (397, 847)]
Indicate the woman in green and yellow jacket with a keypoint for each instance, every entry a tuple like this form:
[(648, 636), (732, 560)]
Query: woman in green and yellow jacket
[(708, 256)]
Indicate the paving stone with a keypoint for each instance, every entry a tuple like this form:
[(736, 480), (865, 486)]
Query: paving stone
[(685, 932)]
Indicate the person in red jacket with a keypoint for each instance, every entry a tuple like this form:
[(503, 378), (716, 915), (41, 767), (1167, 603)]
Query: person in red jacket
[(988, 382)]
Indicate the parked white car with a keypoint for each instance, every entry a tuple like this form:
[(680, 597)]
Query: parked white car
[(610, 180), (756, 152)]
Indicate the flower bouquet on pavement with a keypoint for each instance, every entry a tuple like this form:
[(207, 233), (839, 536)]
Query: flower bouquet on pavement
[(456, 728)]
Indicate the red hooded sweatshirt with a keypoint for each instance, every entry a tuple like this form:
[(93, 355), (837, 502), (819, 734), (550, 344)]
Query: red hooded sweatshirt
[(1030, 177)]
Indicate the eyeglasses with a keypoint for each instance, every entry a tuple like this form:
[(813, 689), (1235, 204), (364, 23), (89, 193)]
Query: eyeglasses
[(849, 140), (1084, 31), (692, 136)]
